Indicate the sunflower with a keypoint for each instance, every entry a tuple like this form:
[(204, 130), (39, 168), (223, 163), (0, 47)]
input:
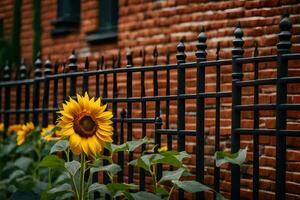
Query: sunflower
[(23, 132), (51, 134), (87, 124), (1, 127), (14, 128), (162, 149)]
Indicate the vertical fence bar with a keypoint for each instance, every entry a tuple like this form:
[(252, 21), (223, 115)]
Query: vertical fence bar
[(167, 120), (85, 84), (7, 89), (47, 72), (256, 126), (143, 94), (64, 85), (283, 47), (36, 89), (18, 93), (200, 121), (114, 104), (180, 56), (217, 124), (121, 154), (158, 120), (129, 112), (237, 52), (55, 88), (23, 76), (73, 68)]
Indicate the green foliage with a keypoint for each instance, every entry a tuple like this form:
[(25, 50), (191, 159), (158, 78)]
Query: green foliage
[(238, 158), (52, 162)]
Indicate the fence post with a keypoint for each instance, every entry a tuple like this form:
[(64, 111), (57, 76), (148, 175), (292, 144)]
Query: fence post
[(55, 91), (7, 77), (36, 89), (200, 123), (23, 76), (283, 47), (73, 68), (129, 112), (47, 72), (237, 52), (180, 56)]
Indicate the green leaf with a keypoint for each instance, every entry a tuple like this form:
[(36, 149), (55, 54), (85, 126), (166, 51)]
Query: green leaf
[(238, 158), (15, 174), (172, 175), (99, 188), (60, 145), (143, 161), (23, 163), (132, 145), (6, 149), (72, 167), (53, 162), (144, 195), (112, 169), (61, 188), (114, 148), (24, 195), (191, 186), (170, 160), (62, 178), (161, 191), (25, 148), (115, 188)]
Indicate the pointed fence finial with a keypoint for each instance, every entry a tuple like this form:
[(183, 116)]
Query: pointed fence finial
[(129, 58), (23, 70), (56, 66), (155, 55), (102, 62), (143, 55), (7, 72), (113, 61), (86, 64), (72, 62), (201, 46), (238, 42), (255, 49), (38, 65), (123, 113), (48, 66), (119, 59), (284, 45), (181, 56), (168, 57)]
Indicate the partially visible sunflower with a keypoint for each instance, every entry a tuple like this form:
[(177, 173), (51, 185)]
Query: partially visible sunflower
[(23, 132), (1, 127), (14, 128), (87, 124), (49, 134)]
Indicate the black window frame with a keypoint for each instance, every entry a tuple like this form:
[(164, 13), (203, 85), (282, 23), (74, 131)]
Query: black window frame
[(107, 24), (68, 17)]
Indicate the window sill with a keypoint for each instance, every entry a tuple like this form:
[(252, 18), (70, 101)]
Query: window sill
[(101, 37), (63, 26)]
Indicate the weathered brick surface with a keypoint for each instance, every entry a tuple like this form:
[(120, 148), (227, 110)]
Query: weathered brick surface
[(144, 24)]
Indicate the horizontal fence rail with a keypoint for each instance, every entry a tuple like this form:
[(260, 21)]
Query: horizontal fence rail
[(38, 99)]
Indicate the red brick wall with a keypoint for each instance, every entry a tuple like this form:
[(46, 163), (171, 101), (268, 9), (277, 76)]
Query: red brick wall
[(144, 24)]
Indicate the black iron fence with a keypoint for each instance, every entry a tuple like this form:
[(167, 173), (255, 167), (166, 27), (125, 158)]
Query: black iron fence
[(33, 96)]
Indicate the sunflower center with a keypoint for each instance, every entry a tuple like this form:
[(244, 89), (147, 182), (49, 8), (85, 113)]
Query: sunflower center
[(85, 125)]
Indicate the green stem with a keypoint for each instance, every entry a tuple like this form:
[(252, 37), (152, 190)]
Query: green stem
[(49, 178), (171, 191), (82, 170), (153, 175)]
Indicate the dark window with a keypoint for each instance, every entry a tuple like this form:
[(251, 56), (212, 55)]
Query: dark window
[(68, 17), (108, 22)]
